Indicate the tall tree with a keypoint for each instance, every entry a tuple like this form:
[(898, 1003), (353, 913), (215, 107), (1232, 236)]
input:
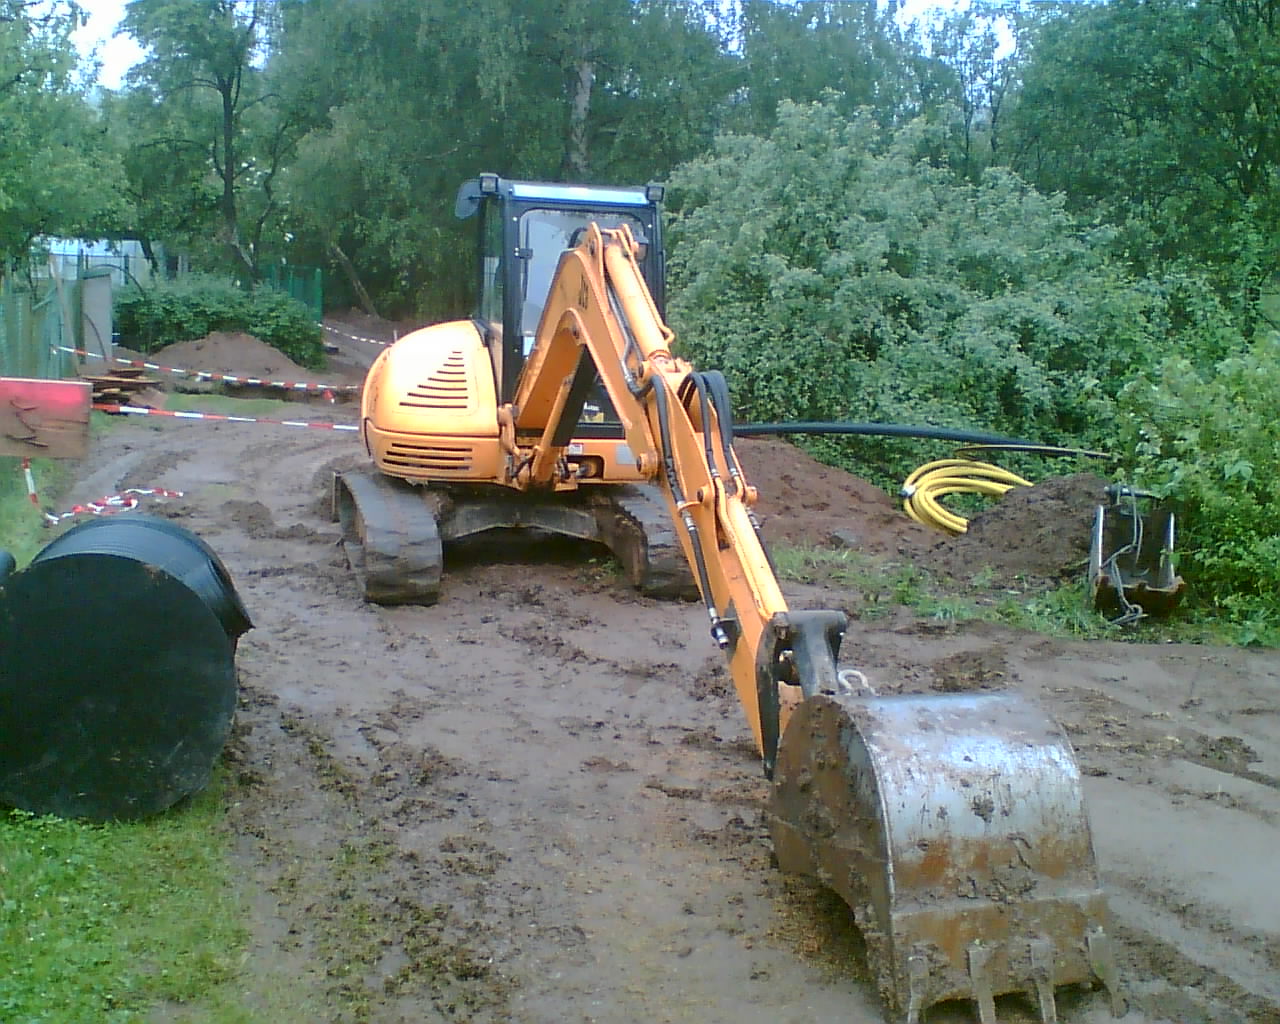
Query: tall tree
[(58, 175), (204, 64), (801, 51), (426, 93), (1166, 114), (971, 61)]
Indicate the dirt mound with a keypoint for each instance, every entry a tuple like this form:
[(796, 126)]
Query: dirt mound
[(805, 502), (233, 352), (1040, 533)]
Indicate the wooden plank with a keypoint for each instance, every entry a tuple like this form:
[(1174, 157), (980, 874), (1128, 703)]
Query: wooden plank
[(48, 419)]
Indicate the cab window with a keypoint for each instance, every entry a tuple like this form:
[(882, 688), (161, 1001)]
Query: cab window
[(544, 235)]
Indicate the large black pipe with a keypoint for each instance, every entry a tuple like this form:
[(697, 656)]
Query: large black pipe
[(875, 430), (117, 670)]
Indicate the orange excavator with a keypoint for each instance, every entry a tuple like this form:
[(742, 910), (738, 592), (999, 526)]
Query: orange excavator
[(953, 825)]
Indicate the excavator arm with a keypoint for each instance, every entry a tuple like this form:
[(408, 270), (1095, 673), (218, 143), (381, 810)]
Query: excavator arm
[(600, 319), (953, 826)]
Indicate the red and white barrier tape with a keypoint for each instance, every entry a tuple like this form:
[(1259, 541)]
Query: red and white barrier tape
[(228, 378), (31, 482), (177, 414), (112, 503), (356, 337)]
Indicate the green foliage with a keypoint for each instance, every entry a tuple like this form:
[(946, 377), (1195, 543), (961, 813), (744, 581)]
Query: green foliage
[(206, 128), (1210, 439), (1162, 115), (422, 96), (99, 922), (195, 306), (57, 174), (853, 53), (833, 277)]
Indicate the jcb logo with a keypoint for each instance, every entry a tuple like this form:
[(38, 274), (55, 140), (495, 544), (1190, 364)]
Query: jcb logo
[(583, 294)]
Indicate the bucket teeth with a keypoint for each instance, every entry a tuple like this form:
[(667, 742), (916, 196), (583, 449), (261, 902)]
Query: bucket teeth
[(1102, 958), (917, 979), (980, 980), (1042, 979)]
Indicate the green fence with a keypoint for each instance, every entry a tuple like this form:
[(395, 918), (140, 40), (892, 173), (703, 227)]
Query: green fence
[(306, 284), (34, 327)]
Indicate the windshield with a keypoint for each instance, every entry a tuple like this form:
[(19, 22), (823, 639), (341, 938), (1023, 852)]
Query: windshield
[(544, 235)]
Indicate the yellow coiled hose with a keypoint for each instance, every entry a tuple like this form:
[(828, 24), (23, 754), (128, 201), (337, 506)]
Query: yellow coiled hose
[(922, 489)]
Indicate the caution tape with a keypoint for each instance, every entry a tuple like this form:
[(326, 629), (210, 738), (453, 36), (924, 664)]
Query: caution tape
[(112, 503), (31, 482), (136, 410), (227, 378), (125, 501), (356, 337)]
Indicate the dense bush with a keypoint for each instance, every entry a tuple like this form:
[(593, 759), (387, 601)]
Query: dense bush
[(1210, 439), (834, 275), (195, 306)]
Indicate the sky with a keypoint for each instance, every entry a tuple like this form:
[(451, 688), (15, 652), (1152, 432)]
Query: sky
[(119, 54)]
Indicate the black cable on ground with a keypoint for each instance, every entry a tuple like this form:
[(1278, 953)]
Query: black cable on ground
[(877, 430)]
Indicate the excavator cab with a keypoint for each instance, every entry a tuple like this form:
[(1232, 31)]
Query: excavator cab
[(524, 228)]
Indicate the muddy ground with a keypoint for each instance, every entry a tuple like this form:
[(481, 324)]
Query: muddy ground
[(538, 801)]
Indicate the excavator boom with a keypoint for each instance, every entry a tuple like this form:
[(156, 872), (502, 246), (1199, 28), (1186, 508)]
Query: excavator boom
[(954, 826)]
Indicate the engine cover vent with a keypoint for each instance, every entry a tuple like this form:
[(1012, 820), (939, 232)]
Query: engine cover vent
[(431, 457), (445, 389)]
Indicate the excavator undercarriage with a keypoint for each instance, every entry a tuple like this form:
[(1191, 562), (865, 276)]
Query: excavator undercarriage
[(953, 825), (394, 532)]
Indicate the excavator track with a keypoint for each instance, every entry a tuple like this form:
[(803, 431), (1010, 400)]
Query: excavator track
[(635, 524), (394, 532), (390, 536)]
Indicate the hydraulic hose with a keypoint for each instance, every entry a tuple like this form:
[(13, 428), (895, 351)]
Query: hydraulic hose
[(922, 490)]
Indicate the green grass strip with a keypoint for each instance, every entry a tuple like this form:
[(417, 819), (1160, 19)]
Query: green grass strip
[(100, 922)]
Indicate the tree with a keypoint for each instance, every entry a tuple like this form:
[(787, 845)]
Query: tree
[(204, 70), (427, 94), (973, 65), (1164, 115), (58, 175), (804, 50)]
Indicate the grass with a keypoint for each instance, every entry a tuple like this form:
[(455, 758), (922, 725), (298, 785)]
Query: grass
[(22, 529), (1062, 612), (100, 922), (881, 588), (225, 405)]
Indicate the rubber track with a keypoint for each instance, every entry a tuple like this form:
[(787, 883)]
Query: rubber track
[(637, 527), (391, 537)]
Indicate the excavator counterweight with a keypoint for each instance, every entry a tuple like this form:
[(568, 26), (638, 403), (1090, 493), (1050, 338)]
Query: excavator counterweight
[(953, 825)]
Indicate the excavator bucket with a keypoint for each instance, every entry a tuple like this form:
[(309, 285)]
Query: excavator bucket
[(954, 827)]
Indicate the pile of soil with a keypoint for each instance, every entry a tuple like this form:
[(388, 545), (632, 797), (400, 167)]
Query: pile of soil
[(235, 353), (804, 502), (1040, 534)]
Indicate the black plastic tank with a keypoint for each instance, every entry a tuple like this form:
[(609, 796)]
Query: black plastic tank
[(117, 670)]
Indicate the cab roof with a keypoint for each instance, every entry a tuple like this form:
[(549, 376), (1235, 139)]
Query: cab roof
[(473, 189)]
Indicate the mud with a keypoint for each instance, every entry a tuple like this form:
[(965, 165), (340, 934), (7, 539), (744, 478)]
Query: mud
[(538, 801)]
